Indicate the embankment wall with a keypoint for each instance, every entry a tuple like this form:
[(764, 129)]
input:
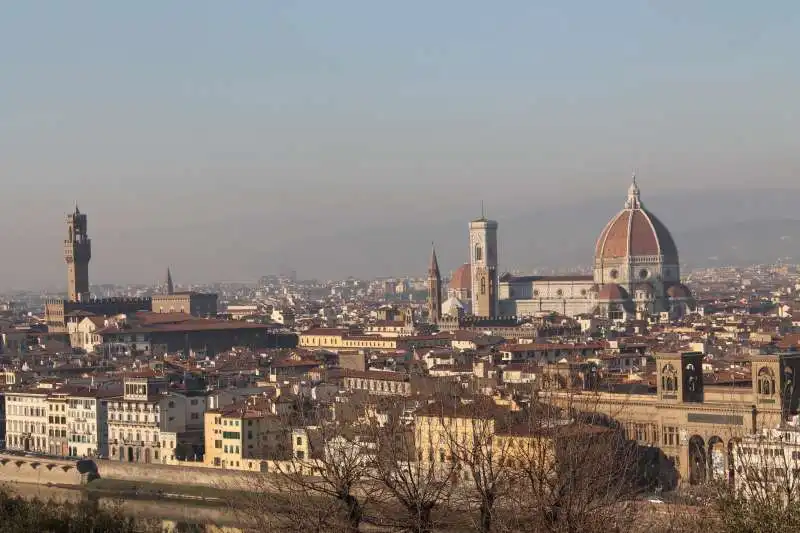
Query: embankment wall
[(21, 469), (179, 475), (41, 471)]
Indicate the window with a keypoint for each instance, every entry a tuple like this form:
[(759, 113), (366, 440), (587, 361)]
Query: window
[(669, 379), (670, 436), (766, 382), (299, 441), (614, 273), (193, 402), (478, 253), (195, 416), (644, 273)]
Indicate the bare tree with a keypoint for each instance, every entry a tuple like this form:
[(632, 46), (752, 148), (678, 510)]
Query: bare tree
[(417, 486), (468, 435), (575, 476), (315, 479), (764, 494)]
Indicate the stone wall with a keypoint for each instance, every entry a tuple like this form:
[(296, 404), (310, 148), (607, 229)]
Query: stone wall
[(20, 469), (175, 475)]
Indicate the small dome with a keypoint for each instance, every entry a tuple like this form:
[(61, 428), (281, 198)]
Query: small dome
[(645, 286), (612, 292), (462, 279), (679, 291), (452, 307)]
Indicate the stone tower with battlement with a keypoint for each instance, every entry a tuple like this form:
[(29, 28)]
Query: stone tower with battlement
[(77, 254)]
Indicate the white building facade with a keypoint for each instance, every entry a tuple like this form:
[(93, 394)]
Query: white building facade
[(26, 421), (87, 424)]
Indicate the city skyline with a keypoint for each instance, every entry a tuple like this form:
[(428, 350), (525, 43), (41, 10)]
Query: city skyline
[(257, 135)]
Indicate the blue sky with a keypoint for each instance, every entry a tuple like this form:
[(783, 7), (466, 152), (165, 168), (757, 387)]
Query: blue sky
[(195, 119)]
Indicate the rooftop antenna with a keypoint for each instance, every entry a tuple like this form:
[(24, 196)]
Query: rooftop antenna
[(482, 215)]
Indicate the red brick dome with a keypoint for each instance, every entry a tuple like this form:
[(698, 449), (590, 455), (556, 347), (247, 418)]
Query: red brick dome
[(462, 279), (679, 291), (613, 292), (635, 231)]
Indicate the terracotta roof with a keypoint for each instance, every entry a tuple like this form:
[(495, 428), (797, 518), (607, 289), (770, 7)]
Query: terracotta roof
[(369, 374), (197, 324), (635, 231), (679, 291), (612, 291), (554, 279), (462, 278), (542, 346)]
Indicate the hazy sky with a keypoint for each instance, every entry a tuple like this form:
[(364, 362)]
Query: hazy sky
[(220, 137)]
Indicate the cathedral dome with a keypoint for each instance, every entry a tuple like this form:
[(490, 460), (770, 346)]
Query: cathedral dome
[(679, 291), (462, 279), (612, 292), (635, 232)]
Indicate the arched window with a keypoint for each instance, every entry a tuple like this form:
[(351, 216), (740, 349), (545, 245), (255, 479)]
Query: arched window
[(669, 379), (766, 382), (483, 285), (478, 253)]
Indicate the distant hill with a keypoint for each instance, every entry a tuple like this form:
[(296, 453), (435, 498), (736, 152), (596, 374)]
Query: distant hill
[(742, 243), (710, 227)]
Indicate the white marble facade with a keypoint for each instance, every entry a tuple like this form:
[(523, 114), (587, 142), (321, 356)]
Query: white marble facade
[(636, 272)]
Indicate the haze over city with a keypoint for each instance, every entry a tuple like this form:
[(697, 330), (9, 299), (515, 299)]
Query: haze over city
[(228, 139)]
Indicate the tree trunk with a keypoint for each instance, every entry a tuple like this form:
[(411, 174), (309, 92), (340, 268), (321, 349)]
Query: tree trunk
[(354, 512), (424, 520), (486, 518)]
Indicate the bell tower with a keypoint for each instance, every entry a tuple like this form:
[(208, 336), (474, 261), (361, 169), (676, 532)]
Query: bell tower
[(483, 264), (434, 289), (77, 253)]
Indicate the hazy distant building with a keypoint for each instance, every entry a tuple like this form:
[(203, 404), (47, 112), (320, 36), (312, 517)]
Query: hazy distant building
[(636, 272), (483, 267), (434, 289), (77, 253), (193, 303)]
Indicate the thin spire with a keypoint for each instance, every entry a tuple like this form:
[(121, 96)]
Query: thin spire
[(170, 286), (483, 216), (433, 269)]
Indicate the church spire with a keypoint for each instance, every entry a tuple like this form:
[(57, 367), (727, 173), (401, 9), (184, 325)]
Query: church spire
[(433, 269), (434, 289), (170, 286)]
